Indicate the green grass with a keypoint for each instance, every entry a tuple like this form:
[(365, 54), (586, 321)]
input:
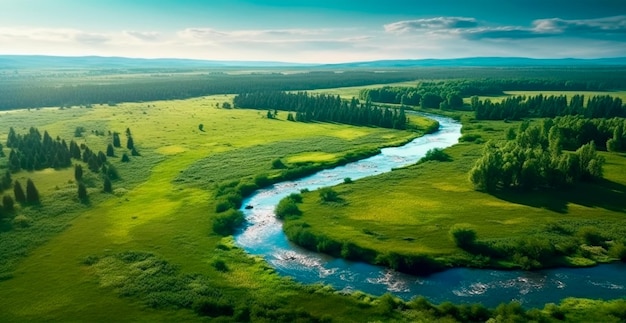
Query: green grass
[(410, 211), (163, 207)]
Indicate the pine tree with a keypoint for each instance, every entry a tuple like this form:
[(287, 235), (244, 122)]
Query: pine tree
[(110, 151), (116, 140), (20, 197), (82, 192), (125, 158), (108, 187), (134, 152), (130, 144), (32, 195), (78, 172)]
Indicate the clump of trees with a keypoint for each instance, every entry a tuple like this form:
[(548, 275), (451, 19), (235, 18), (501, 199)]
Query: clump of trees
[(324, 108), (535, 158)]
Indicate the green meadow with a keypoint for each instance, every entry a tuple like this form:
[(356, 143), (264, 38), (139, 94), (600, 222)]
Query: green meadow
[(77, 261)]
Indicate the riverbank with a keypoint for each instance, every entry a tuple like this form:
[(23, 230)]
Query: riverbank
[(405, 219)]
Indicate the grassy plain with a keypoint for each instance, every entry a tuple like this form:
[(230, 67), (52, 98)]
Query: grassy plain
[(410, 211), (66, 265)]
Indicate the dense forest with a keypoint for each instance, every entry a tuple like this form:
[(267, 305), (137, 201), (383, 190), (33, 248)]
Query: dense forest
[(324, 108)]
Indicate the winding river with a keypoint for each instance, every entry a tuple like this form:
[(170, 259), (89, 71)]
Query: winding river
[(263, 236)]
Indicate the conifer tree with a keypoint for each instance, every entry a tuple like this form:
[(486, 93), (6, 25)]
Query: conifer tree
[(78, 172), (32, 195), (108, 187), (130, 144), (116, 140), (82, 191), (110, 151), (18, 191)]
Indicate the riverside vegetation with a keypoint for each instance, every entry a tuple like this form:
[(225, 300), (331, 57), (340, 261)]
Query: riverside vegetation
[(150, 240)]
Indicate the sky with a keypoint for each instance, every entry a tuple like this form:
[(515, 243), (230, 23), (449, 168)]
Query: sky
[(314, 31)]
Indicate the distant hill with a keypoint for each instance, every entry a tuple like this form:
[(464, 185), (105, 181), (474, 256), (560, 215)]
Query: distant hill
[(37, 61), (488, 62)]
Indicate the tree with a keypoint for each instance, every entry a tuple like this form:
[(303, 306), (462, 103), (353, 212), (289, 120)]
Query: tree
[(20, 197), (32, 195), (463, 236), (134, 152), (82, 191), (110, 151), (107, 186), (125, 158), (130, 144), (116, 140), (7, 203), (78, 172), (201, 127)]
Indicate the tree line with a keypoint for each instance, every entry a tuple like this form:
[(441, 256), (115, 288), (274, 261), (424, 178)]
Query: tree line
[(534, 155), (324, 108), (521, 106), (448, 94)]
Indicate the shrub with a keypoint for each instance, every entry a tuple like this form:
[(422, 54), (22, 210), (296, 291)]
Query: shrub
[(347, 180), (469, 137), (591, 236), (226, 223), (327, 194), (287, 207), (463, 236), (22, 221), (278, 164), (435, 154), (220, 265)]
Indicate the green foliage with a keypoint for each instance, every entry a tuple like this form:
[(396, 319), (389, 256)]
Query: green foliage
[(32, 194), (226, 223), (278, 164), (435, 154), (327, 194), (287, 207), (8, 203), (535, 159), (125, 158), (463, 236), (107, 186), (82, 192), (18, 192), (78, 172)]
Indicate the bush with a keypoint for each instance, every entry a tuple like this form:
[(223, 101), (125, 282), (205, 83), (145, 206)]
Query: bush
[(225, 224), (287, 207), (435, 154), (469, 137), (327, 194), (463, 236), (278, 164)]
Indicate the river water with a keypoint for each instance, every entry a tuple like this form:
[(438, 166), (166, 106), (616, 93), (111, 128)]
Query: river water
[(263, 236)]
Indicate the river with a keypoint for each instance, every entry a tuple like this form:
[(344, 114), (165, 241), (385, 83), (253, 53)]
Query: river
[(263, 236)]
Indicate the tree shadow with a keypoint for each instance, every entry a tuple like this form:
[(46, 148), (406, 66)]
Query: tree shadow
[(602, 193)]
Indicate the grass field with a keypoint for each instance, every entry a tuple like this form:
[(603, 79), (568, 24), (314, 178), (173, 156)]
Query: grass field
[(410, 211), (65, 266)]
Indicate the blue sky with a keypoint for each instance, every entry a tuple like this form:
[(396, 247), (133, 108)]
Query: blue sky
[(314, 31)]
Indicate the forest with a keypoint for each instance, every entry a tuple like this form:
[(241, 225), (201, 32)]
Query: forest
[(323, 108)]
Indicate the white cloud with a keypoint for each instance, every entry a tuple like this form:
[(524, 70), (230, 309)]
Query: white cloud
[(431, 24)]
